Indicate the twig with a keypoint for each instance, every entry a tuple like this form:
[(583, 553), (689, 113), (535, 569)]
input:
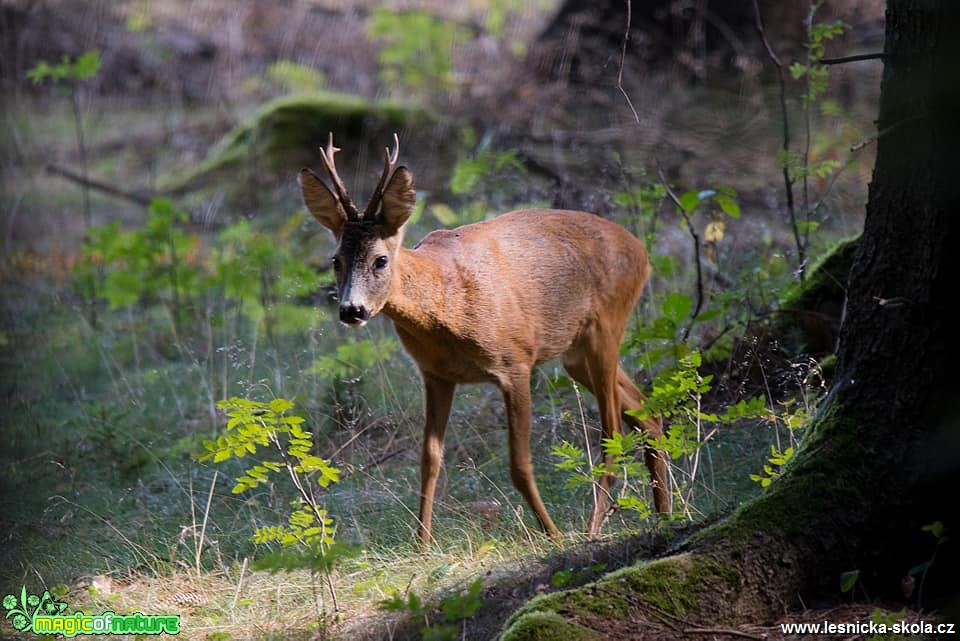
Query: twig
[(883, 132), (623, 56), (136, 197), (203, 526), (855, 58), (787, 183), (807, 141), (696, 247), (730, 631), (236, 594)]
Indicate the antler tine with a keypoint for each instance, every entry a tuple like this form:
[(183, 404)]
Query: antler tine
[(389, 165), (326, 156)]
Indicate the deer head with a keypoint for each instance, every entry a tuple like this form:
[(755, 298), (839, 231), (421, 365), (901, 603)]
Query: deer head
[(367, 242)]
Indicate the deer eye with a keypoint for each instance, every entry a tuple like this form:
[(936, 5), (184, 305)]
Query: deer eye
[(337, 264), (380, 262)]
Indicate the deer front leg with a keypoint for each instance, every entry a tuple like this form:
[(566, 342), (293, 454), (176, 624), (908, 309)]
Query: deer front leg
[(516, 396), (438, 397)]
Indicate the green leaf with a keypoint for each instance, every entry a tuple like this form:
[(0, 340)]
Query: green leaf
[(87, 65), (444, 214), (689, 201), (936, 528), (848, 580), (677, 307), (280, 405), (708, 315), (806, 226), (728, 205)]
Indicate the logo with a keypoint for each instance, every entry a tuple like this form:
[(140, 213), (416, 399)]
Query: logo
[(44, 615)]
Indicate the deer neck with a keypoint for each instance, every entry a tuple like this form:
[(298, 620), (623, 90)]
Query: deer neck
[(417, 295)]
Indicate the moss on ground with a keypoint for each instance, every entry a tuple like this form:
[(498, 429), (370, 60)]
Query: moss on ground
[(691, 585), (546, 626)]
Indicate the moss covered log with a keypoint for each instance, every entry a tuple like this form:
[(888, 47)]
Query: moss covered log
[(284, 135)]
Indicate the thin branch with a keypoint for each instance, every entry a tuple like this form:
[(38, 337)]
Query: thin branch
[(206, 515), (729, 631), (855, 58), (136, 197), (82, 145), (787, 183), (623, 57), (886, 130), (696, 247), (807, 141)]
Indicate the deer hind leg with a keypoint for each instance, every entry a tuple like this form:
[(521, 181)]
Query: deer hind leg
[(516, 396), (632, 398), (438, 398), (598, 373), (628, 397)]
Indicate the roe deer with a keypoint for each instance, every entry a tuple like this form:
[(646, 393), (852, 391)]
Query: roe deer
[(486, 303)]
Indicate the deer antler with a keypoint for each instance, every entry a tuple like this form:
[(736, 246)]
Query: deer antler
[(326, 156), (389, 165)]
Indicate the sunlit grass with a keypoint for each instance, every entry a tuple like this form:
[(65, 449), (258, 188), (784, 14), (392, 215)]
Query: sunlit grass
[(105, 472)]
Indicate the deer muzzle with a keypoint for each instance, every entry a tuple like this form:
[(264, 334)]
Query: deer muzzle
[(354, 315)]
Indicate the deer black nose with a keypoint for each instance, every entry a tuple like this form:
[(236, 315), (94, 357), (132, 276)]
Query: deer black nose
[(353, 314)]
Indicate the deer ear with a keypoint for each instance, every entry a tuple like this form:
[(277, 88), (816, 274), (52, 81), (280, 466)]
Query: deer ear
[(399, 197), (321, 202)]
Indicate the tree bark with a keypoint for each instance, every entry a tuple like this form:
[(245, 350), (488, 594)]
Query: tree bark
[(882, 457)]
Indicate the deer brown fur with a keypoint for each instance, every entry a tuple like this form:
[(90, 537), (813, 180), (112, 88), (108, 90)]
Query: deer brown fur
[(485, 303)]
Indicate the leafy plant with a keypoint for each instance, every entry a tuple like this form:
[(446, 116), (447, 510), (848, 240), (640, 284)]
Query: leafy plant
[(254, 425), (626, 463), (83, 67), (939, 533), (771, 469), (686, 205), (642, 205), (798, 166), (848, 580), (417, 50), (266, 273), (157, 261), (575, 576), (453, 611), (72, 72), (482, 164), (352, 358)]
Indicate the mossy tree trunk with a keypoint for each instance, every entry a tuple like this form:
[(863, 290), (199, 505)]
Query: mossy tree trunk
[(880, 459)]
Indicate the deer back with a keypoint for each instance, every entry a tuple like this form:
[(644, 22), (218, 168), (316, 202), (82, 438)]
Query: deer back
[(519, 288)]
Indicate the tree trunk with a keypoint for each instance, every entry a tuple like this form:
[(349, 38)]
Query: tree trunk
[(882, 457)]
